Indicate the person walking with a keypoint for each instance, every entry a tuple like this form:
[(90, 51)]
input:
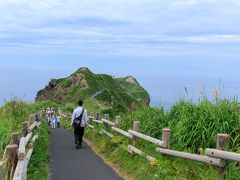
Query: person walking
[(58, 120), (79, 122), (49, 116), (53, 120)]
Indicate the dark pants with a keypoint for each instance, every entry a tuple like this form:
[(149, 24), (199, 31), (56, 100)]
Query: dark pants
[(78, 133), (58, 124)]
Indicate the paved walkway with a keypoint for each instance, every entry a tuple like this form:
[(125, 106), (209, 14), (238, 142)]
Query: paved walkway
[(69, 163)]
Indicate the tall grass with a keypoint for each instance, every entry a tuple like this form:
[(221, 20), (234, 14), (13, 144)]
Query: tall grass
[(38, 166), (12, 114), (152, 120), (196, 125), (193, 125), (194, 128)]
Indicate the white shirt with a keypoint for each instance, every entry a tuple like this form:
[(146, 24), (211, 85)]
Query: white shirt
[(58, 118), (77, 112)]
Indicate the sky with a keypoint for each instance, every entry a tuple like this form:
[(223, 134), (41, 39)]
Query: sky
[(166, 45)]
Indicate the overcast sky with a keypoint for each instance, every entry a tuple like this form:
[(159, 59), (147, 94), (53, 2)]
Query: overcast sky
[(51, 38)]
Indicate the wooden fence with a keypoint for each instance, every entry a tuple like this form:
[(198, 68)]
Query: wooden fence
[(16, 157), (217, 157)]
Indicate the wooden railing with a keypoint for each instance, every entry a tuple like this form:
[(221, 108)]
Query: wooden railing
[(16, 156), (216, 157)]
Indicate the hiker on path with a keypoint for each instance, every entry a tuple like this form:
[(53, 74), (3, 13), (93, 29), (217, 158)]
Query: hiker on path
[(53, 120), (47, 117), (78, 122), (58, 120)]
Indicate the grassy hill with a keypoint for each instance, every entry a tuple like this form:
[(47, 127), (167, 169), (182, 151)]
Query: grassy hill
[(119, 94)]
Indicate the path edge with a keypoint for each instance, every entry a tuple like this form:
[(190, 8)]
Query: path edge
[(110, 164)]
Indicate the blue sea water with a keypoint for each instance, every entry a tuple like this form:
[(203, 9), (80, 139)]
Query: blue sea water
[(164, 89)]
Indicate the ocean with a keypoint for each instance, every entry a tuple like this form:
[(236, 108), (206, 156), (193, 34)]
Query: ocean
[(164, 89), (167, 90)]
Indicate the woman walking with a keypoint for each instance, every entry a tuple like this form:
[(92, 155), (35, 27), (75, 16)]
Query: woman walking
[(53, 120), (58, 120)]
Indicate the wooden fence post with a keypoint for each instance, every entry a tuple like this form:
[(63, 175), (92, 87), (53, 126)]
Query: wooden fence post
[(1, 170), (24, 129), (166, 137), (106, 116), (10, 155), (15, 138), (37, 117), (98, 116), (222, 144), (91, 120), (31, 119), (117, 121), (92, 114), (136, 127), (40, 113)]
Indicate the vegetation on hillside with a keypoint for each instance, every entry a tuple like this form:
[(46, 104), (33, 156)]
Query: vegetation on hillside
[(116, 94), (194, 125), (38, 166), (12, 114), (194, 128)]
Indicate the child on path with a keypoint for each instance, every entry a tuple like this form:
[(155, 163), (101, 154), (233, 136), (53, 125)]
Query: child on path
[(53, 120), (58, 120)]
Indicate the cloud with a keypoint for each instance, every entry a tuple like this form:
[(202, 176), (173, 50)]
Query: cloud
[(222, 38), (88, 21), (120, 26)]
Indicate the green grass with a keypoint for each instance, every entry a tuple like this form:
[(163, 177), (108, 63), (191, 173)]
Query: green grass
[(38, 165), (194, 127), (139, 168), (12, 114)]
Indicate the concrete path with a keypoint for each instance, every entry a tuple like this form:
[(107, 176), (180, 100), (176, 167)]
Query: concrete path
[(69, 163)]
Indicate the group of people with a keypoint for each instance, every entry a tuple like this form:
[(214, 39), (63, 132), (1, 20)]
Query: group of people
[(78, 121), (53, 118)]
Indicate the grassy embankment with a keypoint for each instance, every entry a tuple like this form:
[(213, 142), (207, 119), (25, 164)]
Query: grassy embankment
[(194, 128), (12, 114)]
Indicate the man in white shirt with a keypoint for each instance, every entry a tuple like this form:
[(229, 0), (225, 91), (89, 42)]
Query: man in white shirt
[(79, 130)]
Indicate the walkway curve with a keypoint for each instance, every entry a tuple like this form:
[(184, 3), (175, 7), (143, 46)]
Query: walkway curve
[(69, 163)]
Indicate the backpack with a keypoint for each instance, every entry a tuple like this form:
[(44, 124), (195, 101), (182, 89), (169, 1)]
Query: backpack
[(77, 121)]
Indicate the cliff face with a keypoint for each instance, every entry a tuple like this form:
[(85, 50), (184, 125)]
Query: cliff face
[(83, 84)]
